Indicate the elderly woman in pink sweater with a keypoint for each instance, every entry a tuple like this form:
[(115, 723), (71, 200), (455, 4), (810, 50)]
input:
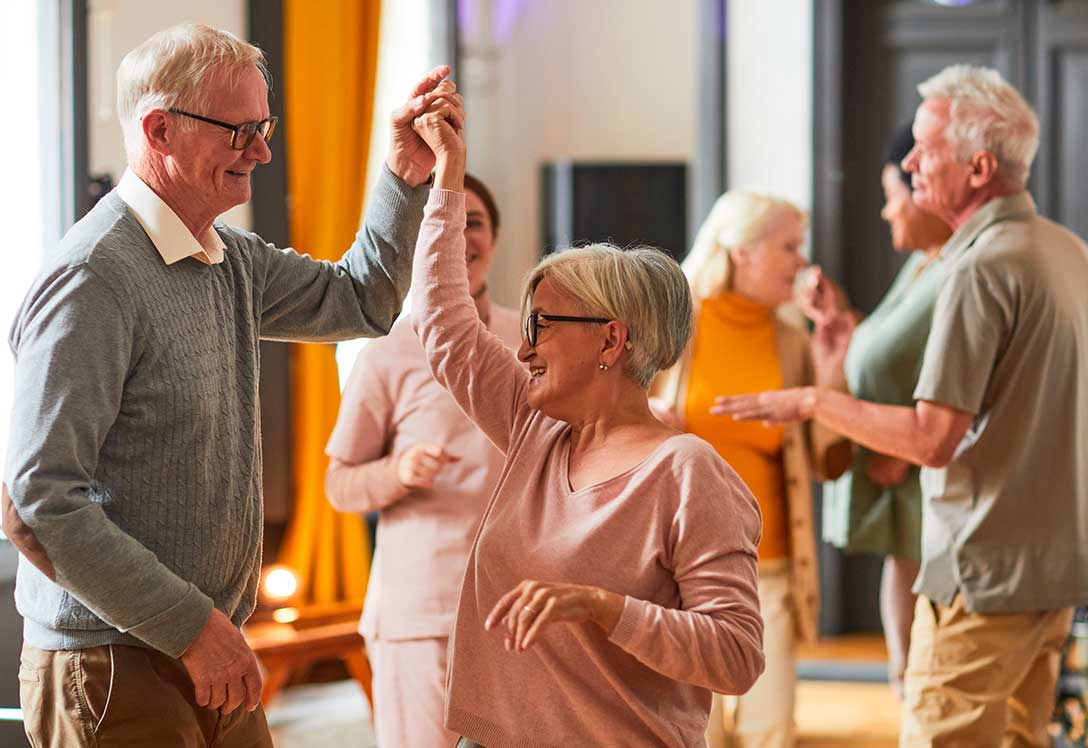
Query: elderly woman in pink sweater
[(403, 447), (611, 587)]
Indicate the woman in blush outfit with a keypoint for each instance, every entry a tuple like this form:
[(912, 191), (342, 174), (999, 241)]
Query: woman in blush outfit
[(612, 585), (403, 447), (741, 270), (876, 507)]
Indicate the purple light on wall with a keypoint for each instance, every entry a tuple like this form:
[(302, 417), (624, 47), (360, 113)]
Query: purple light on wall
[(466, 13), (506, 16)]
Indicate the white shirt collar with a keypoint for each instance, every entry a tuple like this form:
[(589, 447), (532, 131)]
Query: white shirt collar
[(167, 232)]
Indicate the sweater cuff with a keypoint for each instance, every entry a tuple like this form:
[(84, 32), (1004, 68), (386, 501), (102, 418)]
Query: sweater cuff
[(174, 629), (627, 627), (441, 199), (395, 192)]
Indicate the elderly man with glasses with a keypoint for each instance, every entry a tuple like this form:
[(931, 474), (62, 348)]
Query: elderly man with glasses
[(135, 462)]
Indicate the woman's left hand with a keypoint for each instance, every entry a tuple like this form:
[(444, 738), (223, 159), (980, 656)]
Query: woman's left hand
[(775, 406), (531, 605)]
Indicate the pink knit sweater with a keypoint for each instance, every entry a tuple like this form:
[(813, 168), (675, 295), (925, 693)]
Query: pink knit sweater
[(675, 534)]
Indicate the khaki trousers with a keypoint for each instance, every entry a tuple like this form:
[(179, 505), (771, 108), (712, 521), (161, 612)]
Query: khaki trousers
[(981, 681), (123, 696), (763, 717)]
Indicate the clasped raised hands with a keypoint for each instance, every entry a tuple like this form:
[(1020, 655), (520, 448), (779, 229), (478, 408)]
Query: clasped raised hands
[(411, 157)]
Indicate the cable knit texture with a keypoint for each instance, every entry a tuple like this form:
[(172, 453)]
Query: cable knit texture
[(135, 451), (675, 534)]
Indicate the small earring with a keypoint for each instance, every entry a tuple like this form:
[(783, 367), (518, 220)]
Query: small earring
[(604, 366)]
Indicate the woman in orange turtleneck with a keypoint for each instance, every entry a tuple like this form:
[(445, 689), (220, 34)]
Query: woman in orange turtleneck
[(742, 270)]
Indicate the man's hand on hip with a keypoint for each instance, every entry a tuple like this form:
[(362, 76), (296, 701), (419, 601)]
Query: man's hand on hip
[(222, 667)]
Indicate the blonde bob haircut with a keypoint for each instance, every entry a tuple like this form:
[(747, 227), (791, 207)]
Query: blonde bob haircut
[(173, 69), (739, 218), (641, 287)]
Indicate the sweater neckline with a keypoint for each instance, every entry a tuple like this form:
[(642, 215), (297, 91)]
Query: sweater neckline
[(735, 309), (564, 466)]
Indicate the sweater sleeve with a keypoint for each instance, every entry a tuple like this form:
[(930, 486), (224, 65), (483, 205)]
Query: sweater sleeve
[(73, 344), (300, 298), (715, 638), (479, 370), (361, 475)]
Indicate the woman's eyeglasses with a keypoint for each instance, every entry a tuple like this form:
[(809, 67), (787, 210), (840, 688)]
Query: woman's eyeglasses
[(531, 328)]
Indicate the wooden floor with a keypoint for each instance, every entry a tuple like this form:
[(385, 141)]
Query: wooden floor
[(847, 715), (841, 715)]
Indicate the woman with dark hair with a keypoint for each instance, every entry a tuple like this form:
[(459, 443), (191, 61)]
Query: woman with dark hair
[(403, 447), (876, 507)]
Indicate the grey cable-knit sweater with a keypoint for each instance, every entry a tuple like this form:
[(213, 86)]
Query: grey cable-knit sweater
[(135, 447)]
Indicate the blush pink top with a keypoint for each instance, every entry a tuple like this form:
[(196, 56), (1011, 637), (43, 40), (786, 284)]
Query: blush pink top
[(391, 402), (675, 534)]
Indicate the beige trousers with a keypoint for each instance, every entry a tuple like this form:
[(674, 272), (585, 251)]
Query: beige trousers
[(123, 696), (763, 717), (981, 681), (410, 693)]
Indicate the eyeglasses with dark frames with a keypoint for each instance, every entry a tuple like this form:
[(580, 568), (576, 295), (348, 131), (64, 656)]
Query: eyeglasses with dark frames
[(531, 327), (242, 135)]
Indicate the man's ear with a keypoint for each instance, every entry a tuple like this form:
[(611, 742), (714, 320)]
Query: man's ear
[(158, 131), (983, 169)]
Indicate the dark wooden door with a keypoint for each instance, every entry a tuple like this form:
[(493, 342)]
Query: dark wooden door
[(870, 57)]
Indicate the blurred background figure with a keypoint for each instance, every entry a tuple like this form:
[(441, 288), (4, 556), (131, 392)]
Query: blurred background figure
[(403, 447), (741, 270), (876, 506)]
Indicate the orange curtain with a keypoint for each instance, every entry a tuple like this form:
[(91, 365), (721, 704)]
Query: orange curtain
[(330, 65)]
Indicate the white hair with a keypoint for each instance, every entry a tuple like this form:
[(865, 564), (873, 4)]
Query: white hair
[(641, 287), (173, 69), (987, 114), (739, 218)]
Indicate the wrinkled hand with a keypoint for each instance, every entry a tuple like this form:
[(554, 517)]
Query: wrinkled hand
[(885, 471), (222, 667), (775, 406), (418, 465), (666, 415), (531, 605), (441, 124), (409, 157)]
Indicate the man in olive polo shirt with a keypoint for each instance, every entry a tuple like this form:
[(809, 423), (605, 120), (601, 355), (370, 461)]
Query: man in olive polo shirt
[(1001, 424)]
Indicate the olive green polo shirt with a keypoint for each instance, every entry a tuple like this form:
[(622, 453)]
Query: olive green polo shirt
[(1006, 522)]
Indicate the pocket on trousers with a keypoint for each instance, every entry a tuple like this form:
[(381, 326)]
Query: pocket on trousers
[(94, 672), (31, 700)]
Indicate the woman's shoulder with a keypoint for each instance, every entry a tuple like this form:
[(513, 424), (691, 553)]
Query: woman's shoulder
[(704, 481), (688, 453)]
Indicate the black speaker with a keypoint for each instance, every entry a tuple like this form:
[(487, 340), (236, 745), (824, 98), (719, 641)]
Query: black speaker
[(626, 204)]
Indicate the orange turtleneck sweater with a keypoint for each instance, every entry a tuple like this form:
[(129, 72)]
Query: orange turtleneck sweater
[(734, 353)]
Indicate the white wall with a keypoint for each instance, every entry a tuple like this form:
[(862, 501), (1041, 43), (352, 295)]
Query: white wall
[(606, 79), (769, 70), (113, 28)]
